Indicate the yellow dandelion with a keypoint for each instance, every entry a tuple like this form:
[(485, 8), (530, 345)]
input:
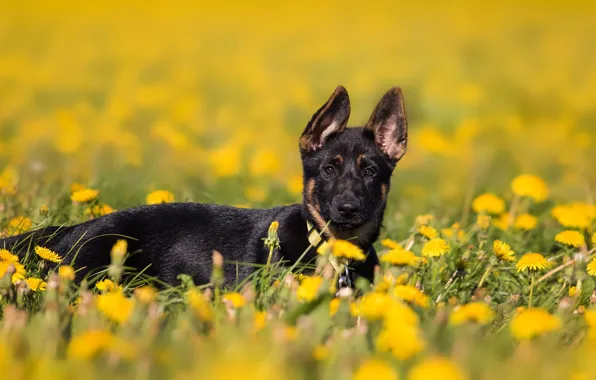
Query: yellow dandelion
[(200, 305), (98, 210), (503, 251), (84, 196), (428, 231), (36, 284), (424, 219), (533, 322), (19, 225), (398, 313), (592, 267), (388, 243), (320, 352), (119, 249), (525, 222), (488, 203), (403, 340), (435, 248), (309, 287), (6, 255), (436, 368), (575, 215), (44, 209), (373, 306), (107, 285), (146, 294), (66, 272), (19, 270), (77, 187), (477, 312), (501, 222), (334, 306), (570, 237), (47, 254), (530, 186), (343, 248), (590, 318), (400, 256), (532, 261), (412, 295), (375, 369), (483, 221), (259, 320), (573, 291), (115, 306), (234, 299), (88, 344), (454, 232), (159, 196)]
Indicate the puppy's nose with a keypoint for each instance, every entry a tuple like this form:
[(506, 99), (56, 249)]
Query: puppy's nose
[(348, 209)]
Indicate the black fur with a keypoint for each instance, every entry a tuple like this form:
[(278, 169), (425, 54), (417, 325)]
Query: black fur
[(346, 179)]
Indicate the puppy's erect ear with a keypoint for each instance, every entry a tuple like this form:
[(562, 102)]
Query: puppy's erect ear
[(389, 124), (330, 118)]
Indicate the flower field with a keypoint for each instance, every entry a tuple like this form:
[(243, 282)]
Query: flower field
[(488, 252)]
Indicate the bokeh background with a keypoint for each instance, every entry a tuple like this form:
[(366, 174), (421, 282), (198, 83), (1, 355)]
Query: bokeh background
[(208, 99)]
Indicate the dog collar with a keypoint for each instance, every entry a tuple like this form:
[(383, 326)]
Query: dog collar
[(318, 242)]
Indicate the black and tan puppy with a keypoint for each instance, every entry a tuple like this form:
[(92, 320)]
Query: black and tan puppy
[(347, 174)]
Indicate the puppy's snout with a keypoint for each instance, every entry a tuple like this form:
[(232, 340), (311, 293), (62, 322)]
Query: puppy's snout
[(348, 208)]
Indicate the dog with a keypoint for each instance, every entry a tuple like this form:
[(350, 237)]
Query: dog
[(346, 174)]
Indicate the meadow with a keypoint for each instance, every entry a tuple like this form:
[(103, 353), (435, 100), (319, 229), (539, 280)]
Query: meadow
[(489, 246)]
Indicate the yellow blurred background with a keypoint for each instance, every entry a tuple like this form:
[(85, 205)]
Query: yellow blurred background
[(208, 99)]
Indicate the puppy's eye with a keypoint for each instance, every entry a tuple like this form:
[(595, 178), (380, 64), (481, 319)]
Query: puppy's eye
[(329, 169), (369, 172)]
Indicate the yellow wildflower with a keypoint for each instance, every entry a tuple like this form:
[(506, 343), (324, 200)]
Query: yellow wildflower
[(36, 284), (483, 221), (573, 291), (77, 187), (98, 210), (501, 222), (115, 306), (146, 294), (119, 249), (343, 248), (334, 306), (375, 369), (488, 203), (412, 295), (532, 261), (107, 285), (19, 273), (66, 272), (200, 305), (236, 300), (84, 196), (503, 251), (435, 248), (575, 215), (6, 255), (19, 225), (424, 219), (373, 306), (591, 267), (428, 231), (526, 185), (398, 313), (88, 344), (320, 352), (570, 237), (403, 340), (47, 254), (308, 289), (477, 312), (259, 321), (590, 318), (436, 368), (525, 222), (400, 256), (454, 231), (533, 322), (388, 243), (159, 196)]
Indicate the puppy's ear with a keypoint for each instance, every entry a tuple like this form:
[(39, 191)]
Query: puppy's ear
[(332, 117), (389, 124)]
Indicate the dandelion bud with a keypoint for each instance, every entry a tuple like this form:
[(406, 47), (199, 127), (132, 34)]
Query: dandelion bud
[(272, 240), (119, 250), (44, 210)]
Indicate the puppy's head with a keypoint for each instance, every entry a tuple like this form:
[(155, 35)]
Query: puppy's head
[(347, 171)]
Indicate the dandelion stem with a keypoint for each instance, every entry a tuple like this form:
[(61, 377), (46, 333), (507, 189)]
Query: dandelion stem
[(485, 275), (531, 290), (512, 210)]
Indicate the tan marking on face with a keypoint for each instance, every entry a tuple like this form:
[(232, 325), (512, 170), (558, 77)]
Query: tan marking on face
[(384, 191), (339, 158), (315, 210), (359, 159)]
